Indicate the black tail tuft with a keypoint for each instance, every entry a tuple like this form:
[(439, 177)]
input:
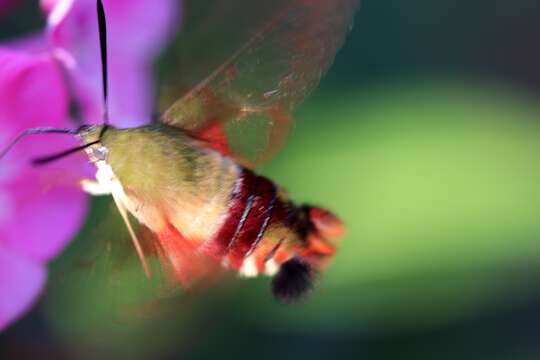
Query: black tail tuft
[(293, 281)]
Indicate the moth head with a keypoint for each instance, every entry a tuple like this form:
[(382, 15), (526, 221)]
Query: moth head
[(91, 138), (90, 135)]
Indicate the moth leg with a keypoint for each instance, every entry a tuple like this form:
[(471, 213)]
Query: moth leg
[(94, 187), (123, 212)]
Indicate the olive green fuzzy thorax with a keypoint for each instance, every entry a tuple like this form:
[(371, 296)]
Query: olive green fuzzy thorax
[(161, 162), (151, 157)]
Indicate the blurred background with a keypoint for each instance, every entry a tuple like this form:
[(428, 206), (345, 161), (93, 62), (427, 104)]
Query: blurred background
[(425, 137)]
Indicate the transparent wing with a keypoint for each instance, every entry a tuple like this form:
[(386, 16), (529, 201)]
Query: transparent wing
[(103, 275), (242, 66)]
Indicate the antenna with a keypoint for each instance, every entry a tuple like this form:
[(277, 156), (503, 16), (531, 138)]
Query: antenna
[(102, 25), (34, 131), (50, 158)]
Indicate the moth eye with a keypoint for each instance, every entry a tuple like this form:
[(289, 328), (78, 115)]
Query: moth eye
[(100, 153)]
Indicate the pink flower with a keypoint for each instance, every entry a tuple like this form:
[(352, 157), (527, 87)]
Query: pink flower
[(41, 209), (137, 30), (35, 224)]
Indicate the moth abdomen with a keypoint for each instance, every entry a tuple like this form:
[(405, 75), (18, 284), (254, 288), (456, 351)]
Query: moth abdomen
[(253, 208), (263, 229), (259, 212)]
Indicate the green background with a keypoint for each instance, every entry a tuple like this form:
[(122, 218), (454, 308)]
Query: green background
[(424, 137)]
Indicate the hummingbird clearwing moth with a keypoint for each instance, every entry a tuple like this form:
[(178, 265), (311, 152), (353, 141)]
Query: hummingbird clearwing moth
[(188, 179)]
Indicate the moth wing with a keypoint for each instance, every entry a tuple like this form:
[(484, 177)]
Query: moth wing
[(103, 269), (263, 58), (182, 261)]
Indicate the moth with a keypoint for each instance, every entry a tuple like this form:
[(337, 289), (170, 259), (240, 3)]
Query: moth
[(185, 178)]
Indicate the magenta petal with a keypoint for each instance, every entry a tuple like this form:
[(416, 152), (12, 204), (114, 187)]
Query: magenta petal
[(45, 206), (21, 281), (32, 91), (141, 27), (132, 101), (46, 219), (137, 30)]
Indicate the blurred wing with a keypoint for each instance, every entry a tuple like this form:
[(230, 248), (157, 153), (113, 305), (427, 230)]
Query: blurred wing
[(182, 261), (253, 62), (102, 268)]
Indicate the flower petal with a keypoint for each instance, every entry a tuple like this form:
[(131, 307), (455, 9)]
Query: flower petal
[(140, 27), (21, 281), (44, 220), (45, 206), (137, 30), (32, 91)]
